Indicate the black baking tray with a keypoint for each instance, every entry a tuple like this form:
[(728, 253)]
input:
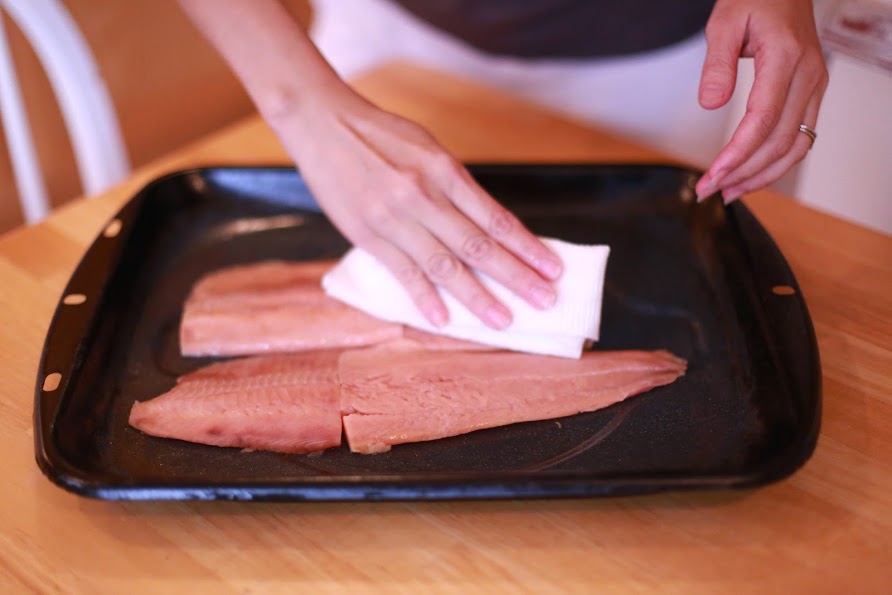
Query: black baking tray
[(701, 280)]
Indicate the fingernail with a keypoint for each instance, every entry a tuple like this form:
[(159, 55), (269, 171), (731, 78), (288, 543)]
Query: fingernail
[(712, 185), (497, 316), (551, 267), (730, 195), (707, 190), (543, 295)]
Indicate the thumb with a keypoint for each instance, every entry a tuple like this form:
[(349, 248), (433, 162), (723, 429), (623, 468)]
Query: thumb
[(723, 47)]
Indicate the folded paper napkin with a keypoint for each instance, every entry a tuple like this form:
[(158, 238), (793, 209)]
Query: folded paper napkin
[(362, 282)]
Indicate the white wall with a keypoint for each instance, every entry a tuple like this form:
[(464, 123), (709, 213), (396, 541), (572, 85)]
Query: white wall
[(849, 171)]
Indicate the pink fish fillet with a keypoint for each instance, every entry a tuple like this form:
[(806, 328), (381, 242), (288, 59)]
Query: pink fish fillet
[(271, 307), (394, 397), (284, 403)]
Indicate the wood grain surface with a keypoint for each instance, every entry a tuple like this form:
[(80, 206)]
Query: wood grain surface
[(827, 529)]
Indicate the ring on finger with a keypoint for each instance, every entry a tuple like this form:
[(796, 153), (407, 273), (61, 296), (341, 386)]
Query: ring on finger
[(810, 132)]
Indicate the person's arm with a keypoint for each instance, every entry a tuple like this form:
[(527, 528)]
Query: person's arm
[(383, 181), (790, 80)]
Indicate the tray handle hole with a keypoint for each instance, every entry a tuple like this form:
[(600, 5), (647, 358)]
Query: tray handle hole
[(783, 290), (112, 229), (74, 299), (51, 382)]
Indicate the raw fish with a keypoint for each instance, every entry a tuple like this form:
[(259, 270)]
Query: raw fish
[(270, 307), (394, 397), (283, 403)]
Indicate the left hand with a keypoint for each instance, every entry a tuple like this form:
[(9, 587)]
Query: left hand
[(790, 80)]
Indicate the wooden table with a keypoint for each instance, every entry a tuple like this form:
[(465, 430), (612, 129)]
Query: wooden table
[(827, 529)]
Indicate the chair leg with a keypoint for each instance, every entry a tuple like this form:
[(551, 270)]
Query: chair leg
[(80, 91), (26, 168)]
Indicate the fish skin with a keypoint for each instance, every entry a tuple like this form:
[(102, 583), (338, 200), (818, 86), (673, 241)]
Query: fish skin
[(273, 307), (390, 398)]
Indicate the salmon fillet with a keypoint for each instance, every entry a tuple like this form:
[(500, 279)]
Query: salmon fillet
[(297, 403), (283, 403), (273, 307), (419, 339), (394, 397)]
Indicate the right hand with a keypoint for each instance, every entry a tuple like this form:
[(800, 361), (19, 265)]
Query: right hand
[(394, 191)]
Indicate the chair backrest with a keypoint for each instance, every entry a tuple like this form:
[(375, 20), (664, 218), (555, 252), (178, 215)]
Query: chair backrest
[(82, 96)]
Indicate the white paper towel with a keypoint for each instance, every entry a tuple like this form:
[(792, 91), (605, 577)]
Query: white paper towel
[(362, 282)]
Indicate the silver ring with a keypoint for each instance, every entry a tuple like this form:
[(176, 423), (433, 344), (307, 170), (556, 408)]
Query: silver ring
[(810, 132)]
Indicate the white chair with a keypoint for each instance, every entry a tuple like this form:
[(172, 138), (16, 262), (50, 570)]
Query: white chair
[(82, 97)]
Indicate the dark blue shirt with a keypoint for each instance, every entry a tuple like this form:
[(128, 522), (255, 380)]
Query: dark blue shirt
[(564, 28)]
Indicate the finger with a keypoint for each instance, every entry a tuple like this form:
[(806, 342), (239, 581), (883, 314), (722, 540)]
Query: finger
[(801, 145), (781, 139), (501, 225), (443, 268), (480, 251), (413, 279), (724, 42), (763, 110), (770, 174)]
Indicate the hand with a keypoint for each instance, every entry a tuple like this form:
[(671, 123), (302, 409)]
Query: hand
[(790, 80), (395, 192), (384, 182)]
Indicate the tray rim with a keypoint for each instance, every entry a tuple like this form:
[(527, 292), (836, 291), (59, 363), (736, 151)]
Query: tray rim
[(424, 486)]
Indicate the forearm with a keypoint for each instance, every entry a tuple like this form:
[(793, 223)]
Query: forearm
[(268, 51), (406, 199)]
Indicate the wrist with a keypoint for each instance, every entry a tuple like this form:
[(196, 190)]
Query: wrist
[(295, 97)]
